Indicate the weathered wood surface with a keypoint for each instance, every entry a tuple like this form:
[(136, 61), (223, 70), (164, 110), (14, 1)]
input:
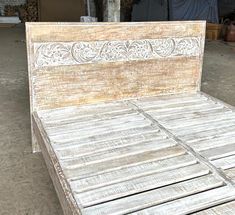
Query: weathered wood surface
[(207, 126), (132, 154), (224, 209), (115, 158), (161, 58), (74, 64)]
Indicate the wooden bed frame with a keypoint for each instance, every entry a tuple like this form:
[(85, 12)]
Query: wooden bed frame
[(80, 70)]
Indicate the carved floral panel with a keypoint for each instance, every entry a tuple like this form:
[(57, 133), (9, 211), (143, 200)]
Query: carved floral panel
[(72, 53)]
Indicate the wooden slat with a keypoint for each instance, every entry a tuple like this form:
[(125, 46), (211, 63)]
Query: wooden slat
[(193, 114), (230, 173), (90, 118), (96, 118), (219, 152), (140, 184), (224, 209), (133, 171), (72, 170), (106, 133), (185, 122), (205, 135), (81, 148), (193, 203), (212, 143), (206, 126), (112, 153), (225, 163), (153, 101), (120, 124), (196, 108), (154, 197), (116, 152), (60, 114)]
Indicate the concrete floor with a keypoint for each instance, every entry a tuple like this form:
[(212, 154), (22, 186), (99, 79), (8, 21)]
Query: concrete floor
[(25, 186)]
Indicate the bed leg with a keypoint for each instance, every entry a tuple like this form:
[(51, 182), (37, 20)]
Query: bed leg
[(35, 145)]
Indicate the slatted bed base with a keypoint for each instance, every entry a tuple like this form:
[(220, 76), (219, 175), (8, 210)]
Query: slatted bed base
[(156, 145), (154, 155)]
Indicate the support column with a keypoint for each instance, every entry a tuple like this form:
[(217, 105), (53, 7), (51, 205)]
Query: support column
[(112, 10)]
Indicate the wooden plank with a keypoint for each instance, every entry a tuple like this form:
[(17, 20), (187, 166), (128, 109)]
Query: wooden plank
[(109, 131), (74, 171), (81, 148), (206, 126), (73, 31), (130, 172), (90, 118), (160, 102), (139, 185), (103, 137), (219, 152), (224, 209), (197, 108), (178, 108), (78, 126), (212, 143), (154, 197), (193, 203), (106, 78), (230, 173), (192, 114), (82, 111), (165, 99), (211, 134), (184, 123), (225, 163), (115, 152)]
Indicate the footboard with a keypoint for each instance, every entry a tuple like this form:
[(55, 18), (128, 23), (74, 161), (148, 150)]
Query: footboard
[(77, 63)]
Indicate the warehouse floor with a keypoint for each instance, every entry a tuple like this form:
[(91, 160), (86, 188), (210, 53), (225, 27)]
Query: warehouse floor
[(25, 186)]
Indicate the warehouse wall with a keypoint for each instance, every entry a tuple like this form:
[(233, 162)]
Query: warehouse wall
[(9, 2)]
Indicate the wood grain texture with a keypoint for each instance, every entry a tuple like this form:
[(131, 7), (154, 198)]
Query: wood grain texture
[(225, 209), (67, 201), (115, 159), (192, 203), (154, 197), (176, 68), (161, 154), (206, 126)]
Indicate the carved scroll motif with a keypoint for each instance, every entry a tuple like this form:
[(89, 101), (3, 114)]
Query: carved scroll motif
[(72, 53)]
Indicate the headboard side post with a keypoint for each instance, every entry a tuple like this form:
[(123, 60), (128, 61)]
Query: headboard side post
[(35, 145)]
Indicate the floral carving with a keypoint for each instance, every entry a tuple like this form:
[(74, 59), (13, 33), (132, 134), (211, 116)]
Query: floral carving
[(163, 47), (52, 53), (71, 53)]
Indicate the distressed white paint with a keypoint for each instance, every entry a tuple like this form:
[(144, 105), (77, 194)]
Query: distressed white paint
[(111, 153), (150, 155)]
